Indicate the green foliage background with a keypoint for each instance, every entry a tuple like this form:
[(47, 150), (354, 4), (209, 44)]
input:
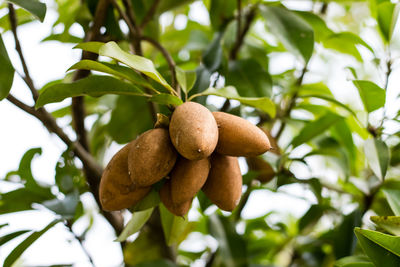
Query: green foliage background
[(271, 62)]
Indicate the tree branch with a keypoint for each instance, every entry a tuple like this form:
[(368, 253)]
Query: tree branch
[(27, 78), (80, 240), (149, 15), (240, 36)]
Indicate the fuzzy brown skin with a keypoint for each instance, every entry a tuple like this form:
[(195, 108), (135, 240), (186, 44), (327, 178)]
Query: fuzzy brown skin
[(238, 137), (266, 172), (187, 178), (151, 158), (193, 131), (165, 196), (224, 183), (116, 188)]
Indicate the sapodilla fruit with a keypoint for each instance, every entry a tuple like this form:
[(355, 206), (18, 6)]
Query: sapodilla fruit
[(193, 131), (187, 178), (116, 188), (238, 137), (224, 183), (151, 158), (265, 172), (165, 197)]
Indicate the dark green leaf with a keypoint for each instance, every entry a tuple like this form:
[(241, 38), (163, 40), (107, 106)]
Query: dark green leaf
[(93, 86), (311, 217), (173, 226), (138, 219), (19, 200), (166, 99), (6, 71), (354, 261), (5, 238), (371, 95), (158, 263), (186, 79), (65, 207), (380, 248), (113, 69), (35, 7), (221, 12), (212, 57), (377, 154), (166, 5), (393, 198), (130, 117), (263, 103), (315, 128), (63, 38), (24, 245), (249, 78), (295, 33), (68, 176), (387, 17)]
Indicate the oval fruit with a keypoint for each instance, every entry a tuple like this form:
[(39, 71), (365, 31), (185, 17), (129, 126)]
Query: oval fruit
[(265, 172), (165, 197), (151, 158), (224, 183), (238, 137), (187, 178), (116, 188), (193, 131)]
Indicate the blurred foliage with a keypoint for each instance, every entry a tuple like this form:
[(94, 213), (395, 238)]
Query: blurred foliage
[(337, 140)]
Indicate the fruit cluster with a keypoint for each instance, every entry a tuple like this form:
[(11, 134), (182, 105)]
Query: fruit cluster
[(199, 150)]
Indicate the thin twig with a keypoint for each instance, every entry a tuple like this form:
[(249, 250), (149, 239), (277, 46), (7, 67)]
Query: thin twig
[(80, 241), (149, 15), (27, 78), (239, 42), (168, 58)]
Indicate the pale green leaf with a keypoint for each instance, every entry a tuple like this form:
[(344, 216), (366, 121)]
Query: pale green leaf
[(389, 223), (166, 99), (35, 7), (138, 219), (173, 226), (377, 154), (371, 94), (393, 198), (6, 71), (387, 15), (186, 79)]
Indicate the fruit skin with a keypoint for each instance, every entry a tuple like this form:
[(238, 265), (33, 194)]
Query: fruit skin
[(238, 137), (193, 131), (151, 158), (266, 172), (224, 183), (165, 196), (116, 188), (187, 178)]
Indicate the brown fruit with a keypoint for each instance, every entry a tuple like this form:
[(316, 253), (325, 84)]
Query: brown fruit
[(116, 189), (224, 183), (238, 137), (165, 196), (265, 172), (151, 158), (187, 178), (193, 131)]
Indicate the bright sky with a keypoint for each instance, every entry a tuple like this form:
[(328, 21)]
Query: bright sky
[(48, 61)]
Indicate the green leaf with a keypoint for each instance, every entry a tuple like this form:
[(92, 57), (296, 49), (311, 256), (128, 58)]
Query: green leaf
[(65, 207), (311, 217), (19, 200), (389, 223), (35, 7), (173, 226), (295, 33), (393, 198), (93, 86), (130, 117), (315, 128), (151, 200), (5, 238), (141, 64), (332, 100), (387, 14), (379, 247), (371, 94), (249, 78), (212, 57), (6, 71), (24, 245), (113, 69), (346, 42), (321, 30), (377, 154), (158, 263), (166, 99), (263, 103), (319, 89), (221, 12), (186, 79), (354, 261), (138, 219), (68, 176)]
